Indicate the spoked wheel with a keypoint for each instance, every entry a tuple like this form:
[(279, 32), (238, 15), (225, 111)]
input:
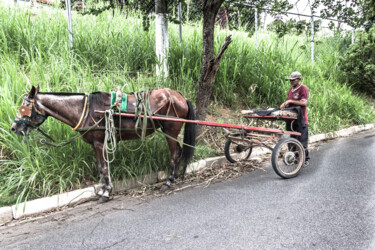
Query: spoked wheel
[(288, 157), (237, 150)]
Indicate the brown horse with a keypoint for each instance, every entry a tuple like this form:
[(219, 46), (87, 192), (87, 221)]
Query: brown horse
[(80, 111)]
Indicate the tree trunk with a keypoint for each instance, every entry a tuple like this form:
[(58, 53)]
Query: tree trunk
[(161, 37), (210, 64)]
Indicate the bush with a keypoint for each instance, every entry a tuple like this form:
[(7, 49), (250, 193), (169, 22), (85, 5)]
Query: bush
[(358, 64)]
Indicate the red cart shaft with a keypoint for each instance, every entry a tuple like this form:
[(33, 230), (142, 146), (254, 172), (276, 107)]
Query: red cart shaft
[(212, 124)]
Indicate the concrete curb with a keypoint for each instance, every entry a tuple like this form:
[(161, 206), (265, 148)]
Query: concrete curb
[(6, 215), (341, 133), (51, 203), (56, 202)]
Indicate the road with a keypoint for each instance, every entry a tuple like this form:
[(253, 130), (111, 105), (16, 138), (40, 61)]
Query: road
[(330, 205)]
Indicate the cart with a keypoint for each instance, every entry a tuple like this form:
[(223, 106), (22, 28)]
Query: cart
[(288, 154)]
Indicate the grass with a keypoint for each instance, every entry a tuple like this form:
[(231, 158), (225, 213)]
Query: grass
[(113, 51)]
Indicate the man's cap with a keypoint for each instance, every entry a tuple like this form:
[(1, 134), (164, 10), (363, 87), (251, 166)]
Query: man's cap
[(294, 76)]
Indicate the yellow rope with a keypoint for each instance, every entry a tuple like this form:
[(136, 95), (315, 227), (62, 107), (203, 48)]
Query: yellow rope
[(83, 113)]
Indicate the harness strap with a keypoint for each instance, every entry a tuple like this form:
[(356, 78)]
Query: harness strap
[(172, 102), (169, 106), (87, 112), (34, 106), (160, 108), (175, 110), (84, 113), (43, 141), (92, 118)]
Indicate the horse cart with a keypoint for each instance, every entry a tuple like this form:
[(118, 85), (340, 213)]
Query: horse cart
[(100, 122), (288, 154)]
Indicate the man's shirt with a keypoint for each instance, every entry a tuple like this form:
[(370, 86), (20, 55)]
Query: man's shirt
[(301, 93)]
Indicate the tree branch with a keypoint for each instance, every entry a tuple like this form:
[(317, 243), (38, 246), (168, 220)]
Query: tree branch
[(228, 40), (213, 64)]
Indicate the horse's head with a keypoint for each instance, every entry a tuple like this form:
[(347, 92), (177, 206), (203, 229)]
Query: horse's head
[(29, 116)]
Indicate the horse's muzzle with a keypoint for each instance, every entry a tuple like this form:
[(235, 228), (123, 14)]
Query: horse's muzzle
[(18, 129)]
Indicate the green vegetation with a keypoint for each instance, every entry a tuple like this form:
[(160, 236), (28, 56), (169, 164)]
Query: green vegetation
[(114, 51), (358, 64)]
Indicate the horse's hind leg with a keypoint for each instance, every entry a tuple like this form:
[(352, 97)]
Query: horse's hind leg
[(175, 150), (103, 170)]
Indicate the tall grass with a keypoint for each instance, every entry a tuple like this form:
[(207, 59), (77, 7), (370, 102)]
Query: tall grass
[(111, 51)]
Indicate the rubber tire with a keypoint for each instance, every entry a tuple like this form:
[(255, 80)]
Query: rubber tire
[(227, 153), (274, 158)]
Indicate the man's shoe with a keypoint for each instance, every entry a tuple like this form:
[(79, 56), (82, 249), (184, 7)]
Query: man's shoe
[(306, 164)]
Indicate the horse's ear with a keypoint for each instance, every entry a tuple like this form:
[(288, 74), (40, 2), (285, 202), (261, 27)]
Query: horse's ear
[(37, 89), (32, 92)]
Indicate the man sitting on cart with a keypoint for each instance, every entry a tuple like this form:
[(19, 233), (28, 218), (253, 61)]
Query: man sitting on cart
[(298, 95)]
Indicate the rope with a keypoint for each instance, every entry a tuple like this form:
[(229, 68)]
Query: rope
[(136, 149), (142, 100), (174, 139), (109, 137)]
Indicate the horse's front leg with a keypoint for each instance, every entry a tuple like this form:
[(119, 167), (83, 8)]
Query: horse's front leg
[(103, 168)]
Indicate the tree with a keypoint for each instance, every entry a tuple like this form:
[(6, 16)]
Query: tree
[(301, 27), (161, 36), (356, 13), (210, 64), (358, 62)]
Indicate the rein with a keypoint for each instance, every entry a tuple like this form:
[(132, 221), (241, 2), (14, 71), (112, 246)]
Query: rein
[(43, 141)]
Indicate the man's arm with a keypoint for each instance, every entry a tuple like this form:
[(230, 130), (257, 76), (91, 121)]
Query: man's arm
[(295, 102)]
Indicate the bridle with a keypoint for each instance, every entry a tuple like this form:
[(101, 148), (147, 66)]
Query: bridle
[(27, 112)]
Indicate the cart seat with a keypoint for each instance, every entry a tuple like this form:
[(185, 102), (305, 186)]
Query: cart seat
[(270, 112)]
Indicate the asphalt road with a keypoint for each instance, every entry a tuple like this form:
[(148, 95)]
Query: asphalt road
[(330, 205)]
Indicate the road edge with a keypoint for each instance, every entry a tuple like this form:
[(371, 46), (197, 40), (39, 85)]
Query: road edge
[(60, 201)]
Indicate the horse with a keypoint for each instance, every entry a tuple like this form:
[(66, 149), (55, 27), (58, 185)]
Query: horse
[(80, 110)]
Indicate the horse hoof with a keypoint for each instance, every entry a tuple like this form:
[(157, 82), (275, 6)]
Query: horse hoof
[(100, 193), (103, 199)]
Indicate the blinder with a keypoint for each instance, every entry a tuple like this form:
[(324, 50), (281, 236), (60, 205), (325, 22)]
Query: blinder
[(25, 110), (28, 112)]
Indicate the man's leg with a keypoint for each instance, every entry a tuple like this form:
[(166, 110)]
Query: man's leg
[(305, 141), (292, 126)]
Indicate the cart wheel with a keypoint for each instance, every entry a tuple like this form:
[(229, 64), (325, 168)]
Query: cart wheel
[(288, 157), (237, 151)]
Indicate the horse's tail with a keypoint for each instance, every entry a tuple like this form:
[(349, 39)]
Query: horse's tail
[(189, 139)]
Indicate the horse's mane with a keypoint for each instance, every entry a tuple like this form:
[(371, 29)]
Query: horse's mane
[(60, 93), (97, 97)]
